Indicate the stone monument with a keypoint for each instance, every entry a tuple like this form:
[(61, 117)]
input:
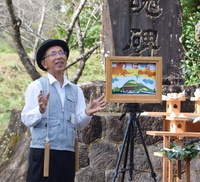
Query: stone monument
[(144, 28)]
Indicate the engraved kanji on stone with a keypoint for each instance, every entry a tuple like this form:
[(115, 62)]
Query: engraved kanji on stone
[(141, 40), (151, 7)]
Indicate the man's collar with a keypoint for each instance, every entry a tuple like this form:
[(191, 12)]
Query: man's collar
[(52, 79)]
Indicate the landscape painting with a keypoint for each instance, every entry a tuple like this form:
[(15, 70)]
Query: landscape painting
[(133, 79)]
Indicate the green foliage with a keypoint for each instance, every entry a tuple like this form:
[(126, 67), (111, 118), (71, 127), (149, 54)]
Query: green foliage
[(93, 35), (5, 48), (13, 82), (90, 23), (191, 63), (189, 6), (116, 90), (176, 152)]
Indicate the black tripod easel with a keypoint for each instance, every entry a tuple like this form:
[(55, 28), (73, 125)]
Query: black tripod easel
[(133, 122)]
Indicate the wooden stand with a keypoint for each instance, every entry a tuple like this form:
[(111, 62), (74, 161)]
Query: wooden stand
[(168, 165), (197, 104), (176, 126)]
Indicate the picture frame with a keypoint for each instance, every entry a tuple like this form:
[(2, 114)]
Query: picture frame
[(132, 79)]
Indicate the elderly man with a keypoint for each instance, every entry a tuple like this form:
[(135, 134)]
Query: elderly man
[(54, 109)]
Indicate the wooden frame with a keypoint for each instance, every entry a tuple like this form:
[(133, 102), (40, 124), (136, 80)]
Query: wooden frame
[(133, 79)]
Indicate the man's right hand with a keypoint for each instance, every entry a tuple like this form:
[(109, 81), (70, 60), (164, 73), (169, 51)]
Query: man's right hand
[(43, 101)]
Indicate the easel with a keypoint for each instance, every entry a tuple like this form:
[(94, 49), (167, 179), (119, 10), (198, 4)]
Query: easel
[(133, 122)]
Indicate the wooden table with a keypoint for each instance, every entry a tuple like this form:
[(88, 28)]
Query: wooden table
[(167, 165)]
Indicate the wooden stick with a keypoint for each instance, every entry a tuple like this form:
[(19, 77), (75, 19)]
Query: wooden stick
[(46, 159), (76, 155)]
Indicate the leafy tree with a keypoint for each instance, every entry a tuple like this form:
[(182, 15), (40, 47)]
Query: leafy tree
[(191, 63)]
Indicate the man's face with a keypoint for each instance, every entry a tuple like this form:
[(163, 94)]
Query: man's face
[(55, 60)]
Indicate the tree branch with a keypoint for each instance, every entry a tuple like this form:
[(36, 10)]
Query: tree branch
[(39, 31), (81, 51), (16, 23), (74, 19), (85, 55)]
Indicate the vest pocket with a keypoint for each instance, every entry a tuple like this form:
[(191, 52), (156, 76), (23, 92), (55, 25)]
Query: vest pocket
[(70, 135), (54, 128), (38, 136), (39, 132), (70, 106)]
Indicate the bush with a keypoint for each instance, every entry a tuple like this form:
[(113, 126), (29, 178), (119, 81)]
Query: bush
[(191, 63)]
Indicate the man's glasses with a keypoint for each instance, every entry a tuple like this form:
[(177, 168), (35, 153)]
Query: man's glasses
[(55, 54)]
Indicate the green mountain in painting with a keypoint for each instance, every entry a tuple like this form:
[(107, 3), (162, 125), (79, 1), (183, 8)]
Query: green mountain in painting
[(133, 87)]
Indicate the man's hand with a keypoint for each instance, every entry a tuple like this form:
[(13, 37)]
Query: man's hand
[(43, 101), (95, 105)]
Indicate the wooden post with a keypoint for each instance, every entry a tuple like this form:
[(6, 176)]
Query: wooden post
[(187, 170), (165, 160), (179, 143), (197, 104), (170, 175)]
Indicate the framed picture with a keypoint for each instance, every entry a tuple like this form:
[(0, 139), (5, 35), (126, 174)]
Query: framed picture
[(133, 79)]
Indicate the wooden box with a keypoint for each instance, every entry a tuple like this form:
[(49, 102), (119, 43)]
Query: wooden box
[(180, 125), (176, 126), (173, 106)]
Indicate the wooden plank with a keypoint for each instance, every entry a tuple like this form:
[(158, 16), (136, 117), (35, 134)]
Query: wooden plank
[(155, 114), (167, 133), (174, 99), (160, 154), (194, 98), (181, 115)]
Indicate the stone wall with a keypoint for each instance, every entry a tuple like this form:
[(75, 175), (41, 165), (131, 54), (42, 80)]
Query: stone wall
[(99, 145)]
